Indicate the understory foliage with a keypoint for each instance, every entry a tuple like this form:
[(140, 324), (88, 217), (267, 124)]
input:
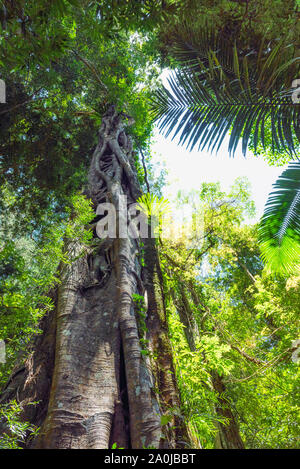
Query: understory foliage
[(226, 315), (17, 430), (225, 87), (279, 231), (28, 275), (229, 316), (28, 272), (233, 324)]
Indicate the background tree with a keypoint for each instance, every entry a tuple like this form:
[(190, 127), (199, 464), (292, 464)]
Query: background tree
[(233, 328), (48, 151), (220, 89)]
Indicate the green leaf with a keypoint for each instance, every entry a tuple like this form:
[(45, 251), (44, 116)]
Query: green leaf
[(279, 230), (165, 419), (217, 90)]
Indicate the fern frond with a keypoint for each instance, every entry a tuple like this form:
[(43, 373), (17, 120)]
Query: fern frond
[(216, 90), (279, 229)]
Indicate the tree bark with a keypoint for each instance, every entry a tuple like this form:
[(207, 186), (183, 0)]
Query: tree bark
[(228, 436), (31, 378), (103, 389), (176, 431)]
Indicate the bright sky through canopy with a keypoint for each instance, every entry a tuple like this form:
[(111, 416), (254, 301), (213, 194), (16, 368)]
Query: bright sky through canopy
[(188, 170)]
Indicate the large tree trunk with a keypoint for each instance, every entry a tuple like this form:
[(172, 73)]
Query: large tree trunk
[(103, 389)]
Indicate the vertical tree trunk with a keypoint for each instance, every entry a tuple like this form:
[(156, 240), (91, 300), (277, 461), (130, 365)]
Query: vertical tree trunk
[(228, 436), (159, 344), (103, 390)]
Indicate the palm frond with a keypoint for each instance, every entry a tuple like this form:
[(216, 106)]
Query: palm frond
[(279, 229), (216, 91)]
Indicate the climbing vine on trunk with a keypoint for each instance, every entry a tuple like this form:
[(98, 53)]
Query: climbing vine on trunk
[(104, 389)]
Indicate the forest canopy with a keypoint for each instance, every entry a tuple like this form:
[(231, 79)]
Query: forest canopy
[(186, 339)]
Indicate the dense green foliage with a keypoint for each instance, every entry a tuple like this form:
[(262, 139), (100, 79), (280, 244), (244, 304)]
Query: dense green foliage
[(218, 89), (229, 316), (222, 89), (280, 226), (64, 63), (28, 273), (49, 124), (18, 430)]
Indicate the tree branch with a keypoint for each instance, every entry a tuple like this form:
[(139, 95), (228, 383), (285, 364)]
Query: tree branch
[(91, 68)]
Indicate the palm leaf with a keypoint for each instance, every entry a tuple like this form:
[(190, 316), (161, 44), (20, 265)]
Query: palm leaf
[(216, 90), (279, 229)]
